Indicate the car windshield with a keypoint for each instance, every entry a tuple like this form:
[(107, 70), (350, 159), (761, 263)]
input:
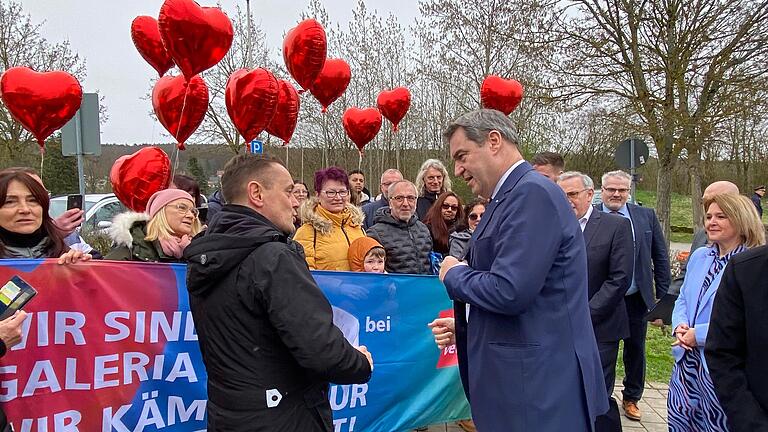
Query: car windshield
[(59, 206)]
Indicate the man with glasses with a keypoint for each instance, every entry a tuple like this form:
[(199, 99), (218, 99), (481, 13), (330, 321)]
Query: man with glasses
[(610, 259), (387, 178), (651, 265), (405, 238)]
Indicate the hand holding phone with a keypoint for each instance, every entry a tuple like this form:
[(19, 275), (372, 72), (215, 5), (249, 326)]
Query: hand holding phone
[(14, 295), (75, 201)]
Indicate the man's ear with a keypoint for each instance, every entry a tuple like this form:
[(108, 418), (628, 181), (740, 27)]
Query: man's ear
[(255, 192), (494, 141)]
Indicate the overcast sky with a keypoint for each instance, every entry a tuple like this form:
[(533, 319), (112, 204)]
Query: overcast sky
[(100, 31)]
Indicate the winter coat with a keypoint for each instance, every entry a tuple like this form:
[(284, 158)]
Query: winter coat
[(265, 329), (424, 203), (370, 210), (127, 232), (408, 244), (215, 201), (326, 236), (458, 243)]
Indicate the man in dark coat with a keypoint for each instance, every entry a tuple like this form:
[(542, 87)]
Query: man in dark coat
[(737, 342), (527, 353), (387, 178), (265, 329), (651, 270), (610, 258), (756, 197), (405, 238)]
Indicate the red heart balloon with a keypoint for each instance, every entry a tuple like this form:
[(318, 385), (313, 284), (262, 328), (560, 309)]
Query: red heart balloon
[(287, 113), (196, 37), (501, 94), (251, 99), (146, 37), (393, 104), (137, 176), (304, 49), (361, 125), (41, 101), (180, 106), (332, 82)]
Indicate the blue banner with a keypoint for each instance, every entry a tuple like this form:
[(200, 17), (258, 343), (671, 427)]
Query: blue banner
[(111, 346)]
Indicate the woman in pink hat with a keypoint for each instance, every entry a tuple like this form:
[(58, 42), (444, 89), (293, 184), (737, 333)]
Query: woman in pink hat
[(158, 235)]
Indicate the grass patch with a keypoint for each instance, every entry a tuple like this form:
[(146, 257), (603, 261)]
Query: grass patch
[(658, 356)]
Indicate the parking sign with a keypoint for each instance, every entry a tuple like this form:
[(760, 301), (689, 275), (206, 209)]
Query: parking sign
[(257, 146)]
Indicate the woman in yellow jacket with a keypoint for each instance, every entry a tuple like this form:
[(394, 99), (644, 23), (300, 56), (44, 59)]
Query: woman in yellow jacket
[(330, 222)]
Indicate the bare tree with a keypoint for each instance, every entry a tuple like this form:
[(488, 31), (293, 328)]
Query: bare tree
[(671, 60), (21, 44)]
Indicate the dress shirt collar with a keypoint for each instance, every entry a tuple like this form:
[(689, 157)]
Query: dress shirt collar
[(504, 177)]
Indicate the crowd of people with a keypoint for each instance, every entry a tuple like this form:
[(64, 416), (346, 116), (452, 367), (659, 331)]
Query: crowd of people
[(545, 284)]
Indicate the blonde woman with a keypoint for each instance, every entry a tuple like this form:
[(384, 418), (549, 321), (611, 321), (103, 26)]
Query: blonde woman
[(732, 227), (160, 234)]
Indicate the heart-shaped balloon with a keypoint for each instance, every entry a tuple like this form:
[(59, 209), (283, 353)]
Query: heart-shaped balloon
[(393, 104), (304, 49), (41, 101), (332, 82), (180, 106), (361, 125), (146, 37), (251, 99), (501, 94), (196, 37), (137, 176), (287, 113)]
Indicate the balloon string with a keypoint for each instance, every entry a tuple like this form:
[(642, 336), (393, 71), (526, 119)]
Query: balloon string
[(181, 114), (42, 159), (175, 162), (360, 159)]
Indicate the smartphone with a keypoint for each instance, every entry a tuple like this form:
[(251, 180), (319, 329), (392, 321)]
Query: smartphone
[(74, 201), (14, 295), (202, 216)]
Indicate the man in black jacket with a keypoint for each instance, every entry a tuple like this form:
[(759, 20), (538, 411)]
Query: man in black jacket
[(610, 262), (265, 329), (737, 342)]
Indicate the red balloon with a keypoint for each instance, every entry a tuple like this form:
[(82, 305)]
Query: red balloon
[(251, 99), (146, 36), (180, 106), (332, 82), (137, 176), (41, 101), (287, 113), (393, 104), (304, 49), (501, 94), (196, 37), (361, 125)]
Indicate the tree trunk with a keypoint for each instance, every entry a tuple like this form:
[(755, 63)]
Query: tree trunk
[(664, 194), (694, 168)]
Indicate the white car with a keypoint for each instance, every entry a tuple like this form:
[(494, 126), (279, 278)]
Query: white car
[(100, 209)]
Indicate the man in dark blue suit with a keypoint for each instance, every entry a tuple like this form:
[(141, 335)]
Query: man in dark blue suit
[(610, 259), (527, 353), (651, 265)]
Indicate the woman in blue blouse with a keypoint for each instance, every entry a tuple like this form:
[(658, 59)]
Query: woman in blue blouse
[(732, 226)]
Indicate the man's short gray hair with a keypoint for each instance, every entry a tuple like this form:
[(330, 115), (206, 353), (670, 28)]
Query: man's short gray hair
[(390, 171), (432, 164), (618, 173), (586, 181), (393, 185), (478, 124)]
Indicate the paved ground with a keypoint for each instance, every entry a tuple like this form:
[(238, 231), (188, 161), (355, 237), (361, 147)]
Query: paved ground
[(653, 407)]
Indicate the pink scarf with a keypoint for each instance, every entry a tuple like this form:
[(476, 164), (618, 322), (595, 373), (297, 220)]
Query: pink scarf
[(174, 246)]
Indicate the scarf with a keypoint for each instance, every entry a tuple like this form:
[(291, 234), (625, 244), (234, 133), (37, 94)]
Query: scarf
[(174, 246)]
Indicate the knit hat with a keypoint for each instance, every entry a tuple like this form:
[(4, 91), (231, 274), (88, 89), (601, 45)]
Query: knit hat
[(761, 187), (160, 199), (358, 250)]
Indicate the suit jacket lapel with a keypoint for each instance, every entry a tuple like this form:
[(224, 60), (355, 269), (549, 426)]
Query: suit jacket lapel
[(508, 185), (592, 226)]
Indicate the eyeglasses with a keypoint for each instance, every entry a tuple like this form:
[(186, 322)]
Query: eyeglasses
[(401, 198), (333, 193), (574, 194), (450, 207), (475, 216), (183, 209), (612, 191)]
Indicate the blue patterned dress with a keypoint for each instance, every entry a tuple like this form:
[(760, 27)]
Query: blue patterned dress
[(692, 405)]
